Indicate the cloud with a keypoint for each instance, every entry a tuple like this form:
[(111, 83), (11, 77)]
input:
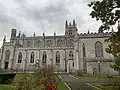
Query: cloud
[(51, 16), (47, 16)]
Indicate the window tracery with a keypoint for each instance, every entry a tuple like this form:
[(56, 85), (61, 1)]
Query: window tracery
[(32, 57), (20, 57), (44, 57), (98, 49), (57, 57), (71, 56)]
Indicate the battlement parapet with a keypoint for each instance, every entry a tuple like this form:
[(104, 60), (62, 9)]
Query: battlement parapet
[(8, 43), (94, 35)]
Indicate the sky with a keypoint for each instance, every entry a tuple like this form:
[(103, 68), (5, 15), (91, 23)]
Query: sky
[(29, 16)]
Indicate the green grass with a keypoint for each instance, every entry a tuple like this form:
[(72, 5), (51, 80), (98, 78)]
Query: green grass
[(116, 77), (90, 76), (62, 86), (106, 86), (21, 75), (109, 86), (6, 87), (12, 86)]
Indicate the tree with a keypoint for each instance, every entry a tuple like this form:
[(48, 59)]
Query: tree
[(114, 49), (24, 82), (107, 11), (45, 74), (37, 80)]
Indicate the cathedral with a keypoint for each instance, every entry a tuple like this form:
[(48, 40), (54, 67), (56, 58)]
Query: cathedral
[(70, 52)]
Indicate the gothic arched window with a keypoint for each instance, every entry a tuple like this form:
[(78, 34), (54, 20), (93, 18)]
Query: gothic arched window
[(18, 44), (38, 43), (44, 57), (29, 44), (49, 43), (84, 50), (20, 57), (71, 56), (73, 64), (7, 55), (57, 57), (98, 49), (32, 57), (59, 43)]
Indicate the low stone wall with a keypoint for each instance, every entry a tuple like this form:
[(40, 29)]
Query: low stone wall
[(101, 68)]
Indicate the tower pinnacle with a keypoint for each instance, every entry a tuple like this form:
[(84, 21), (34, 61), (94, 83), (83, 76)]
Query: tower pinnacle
[(74, 23), (34, 34), (19, 34), (54, 34), (66, 24), (88, 32)]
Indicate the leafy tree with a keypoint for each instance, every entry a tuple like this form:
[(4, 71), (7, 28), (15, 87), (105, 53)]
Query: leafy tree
[(46, 71), (114, 49), (38, 80), (45, 74), (24, 82), (107, 11)]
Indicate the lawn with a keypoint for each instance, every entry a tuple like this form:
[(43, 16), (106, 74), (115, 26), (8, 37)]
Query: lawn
[(114, 84), (90, 76), (61, 86), (6, 87), (106, 86)]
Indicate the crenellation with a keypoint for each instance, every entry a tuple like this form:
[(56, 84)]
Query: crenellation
[(91, 33), (81, 34), (8, 43), (106, 32), (94, 33)]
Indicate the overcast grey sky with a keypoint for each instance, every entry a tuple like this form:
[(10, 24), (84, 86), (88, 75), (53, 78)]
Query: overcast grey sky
[(47, 16)]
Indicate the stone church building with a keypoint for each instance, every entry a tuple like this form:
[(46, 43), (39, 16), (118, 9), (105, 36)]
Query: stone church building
[(67, 53)]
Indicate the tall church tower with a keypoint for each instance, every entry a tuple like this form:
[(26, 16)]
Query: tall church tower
[(13, 35), (70, 29), (71, 37)]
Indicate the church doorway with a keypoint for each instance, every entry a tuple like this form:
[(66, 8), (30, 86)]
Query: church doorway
[(94, 71), (6, 65)]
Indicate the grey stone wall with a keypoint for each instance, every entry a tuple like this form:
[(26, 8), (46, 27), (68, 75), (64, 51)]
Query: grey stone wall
[(104, 68)]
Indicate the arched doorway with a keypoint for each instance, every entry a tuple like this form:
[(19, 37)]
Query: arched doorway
[(6, 65), (94, 71)]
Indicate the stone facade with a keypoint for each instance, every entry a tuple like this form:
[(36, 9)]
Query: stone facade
[(69, 52)]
